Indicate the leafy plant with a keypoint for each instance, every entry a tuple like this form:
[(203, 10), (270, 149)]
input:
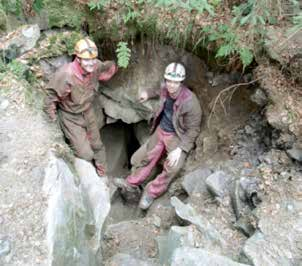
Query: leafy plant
[(18, 69), (123, 54), (12, 6), (38, 5)]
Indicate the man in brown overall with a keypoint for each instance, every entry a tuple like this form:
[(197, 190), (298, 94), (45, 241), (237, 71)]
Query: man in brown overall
[(70, 94), (176, 126)]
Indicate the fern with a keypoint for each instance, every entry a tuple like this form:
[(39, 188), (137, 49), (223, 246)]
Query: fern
[(123, 54), (246, 56), (38, 5)]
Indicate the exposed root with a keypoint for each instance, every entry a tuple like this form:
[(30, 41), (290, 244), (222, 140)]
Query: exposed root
[(222, 101)]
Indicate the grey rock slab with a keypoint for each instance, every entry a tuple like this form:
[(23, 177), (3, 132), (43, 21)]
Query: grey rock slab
[(217, 183), (97, 190), (186, 256), (194, 182), (68, 217), (212, 238), (121, 259), (5, 247)]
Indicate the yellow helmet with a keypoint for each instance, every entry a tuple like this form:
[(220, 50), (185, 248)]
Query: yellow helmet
[(86, 48)]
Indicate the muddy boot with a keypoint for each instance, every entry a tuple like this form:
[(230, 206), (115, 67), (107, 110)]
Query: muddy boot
[(130, 193), (123, 184), (145, 201)]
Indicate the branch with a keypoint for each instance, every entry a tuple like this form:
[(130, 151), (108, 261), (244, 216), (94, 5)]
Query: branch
[(234, 87)]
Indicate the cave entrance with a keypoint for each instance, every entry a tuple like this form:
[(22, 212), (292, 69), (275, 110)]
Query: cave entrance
[(121, 140)]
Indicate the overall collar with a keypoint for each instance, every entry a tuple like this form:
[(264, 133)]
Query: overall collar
[(79, 71)]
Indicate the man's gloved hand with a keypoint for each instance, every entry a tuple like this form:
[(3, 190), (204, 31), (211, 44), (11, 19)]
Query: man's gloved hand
[(173, 157), (100, 169)]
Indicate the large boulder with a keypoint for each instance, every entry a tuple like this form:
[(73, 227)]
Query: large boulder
[(68, 217), (195, 256), (96, 189), (212, 238)]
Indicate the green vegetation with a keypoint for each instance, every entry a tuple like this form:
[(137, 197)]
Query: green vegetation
[(123, 54)]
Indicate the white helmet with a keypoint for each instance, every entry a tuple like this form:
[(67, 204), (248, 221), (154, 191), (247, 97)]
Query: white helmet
[(175, 72)]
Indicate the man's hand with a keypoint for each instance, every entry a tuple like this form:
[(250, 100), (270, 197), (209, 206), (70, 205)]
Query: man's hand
[(52, 113), (143, 97), (100, 169), (173, 157)]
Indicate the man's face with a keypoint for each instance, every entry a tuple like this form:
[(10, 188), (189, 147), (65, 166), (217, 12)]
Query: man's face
[(173, 88), (88, 65)]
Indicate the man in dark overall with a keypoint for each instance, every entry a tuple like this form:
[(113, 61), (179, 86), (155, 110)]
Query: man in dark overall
[(176, 126), (70, 94)]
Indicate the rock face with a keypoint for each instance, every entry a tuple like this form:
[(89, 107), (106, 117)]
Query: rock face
[(286, 49), (120, 95)]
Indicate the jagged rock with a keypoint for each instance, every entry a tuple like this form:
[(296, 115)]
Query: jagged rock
[(259, 97), (127, 114), (217, 183), (178, 237), (136, 238), (165, 211), (244, 198), (195, 257), (278, 240), (97, 190), (68, 217), (194, 182), (19, 41), (121, 259), (223, 79), (295, 152), (262, 250), (212, 240)]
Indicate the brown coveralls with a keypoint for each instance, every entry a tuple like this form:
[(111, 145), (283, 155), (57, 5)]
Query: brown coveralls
[(186, 121), (73, 93)]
